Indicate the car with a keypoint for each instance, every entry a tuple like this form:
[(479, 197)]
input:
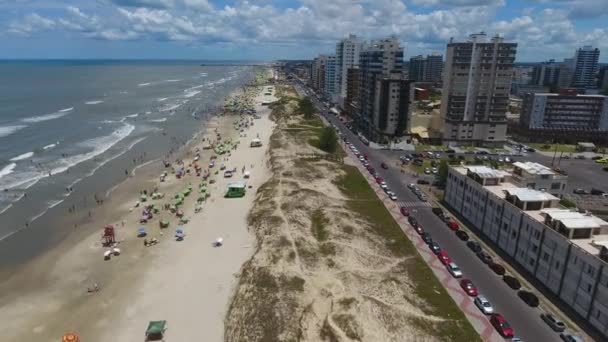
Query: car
[(412, 220), (512, 282), (427, 171), (580, 191), (462, 235), (419, 230), (531, 150), (434, 170), (596, 158), (453, 225), (484, 257), (474, 246), (435, 248), (426, 237), (569, 337), (501, 325), (497, 268), (602, 161), (384, 166), (444, 257), (423, 182), (361, 158), (529, 298), (372, 170), (379, 179), (383, 185), (553, 322), (597, 192), (411, 186), (405, 211), (393, 197), (454, 270), (580, 156), (468, 287), (484, 305), (439, 212), (422, 197)]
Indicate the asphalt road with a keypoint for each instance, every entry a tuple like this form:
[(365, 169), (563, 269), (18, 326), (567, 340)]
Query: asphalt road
[(525, 320)]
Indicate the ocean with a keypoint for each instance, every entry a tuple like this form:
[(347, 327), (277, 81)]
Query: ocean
[(68, 127)]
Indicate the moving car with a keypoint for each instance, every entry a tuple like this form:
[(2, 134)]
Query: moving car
[(484, 305), (405, 211), (501, 325), (602, 161), (454, 270), (528, 298), (462, 235), (553, 322), (468, 287), (580, 156)]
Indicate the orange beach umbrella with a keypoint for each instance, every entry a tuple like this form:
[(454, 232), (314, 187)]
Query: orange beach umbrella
[(70, 337)]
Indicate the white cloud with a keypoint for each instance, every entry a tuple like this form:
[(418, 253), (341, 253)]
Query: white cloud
[(145, 3), (458, 2), (202, 5), (31, 23)]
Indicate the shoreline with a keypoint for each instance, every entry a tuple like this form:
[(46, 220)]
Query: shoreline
[(59, 276)]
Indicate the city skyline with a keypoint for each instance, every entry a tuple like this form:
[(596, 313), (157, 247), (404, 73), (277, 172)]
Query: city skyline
[(292, 29)]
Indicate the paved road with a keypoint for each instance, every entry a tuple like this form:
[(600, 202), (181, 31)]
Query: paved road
[(525, 321)]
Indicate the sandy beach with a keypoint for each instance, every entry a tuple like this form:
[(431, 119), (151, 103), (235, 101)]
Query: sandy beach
[(188, 283)]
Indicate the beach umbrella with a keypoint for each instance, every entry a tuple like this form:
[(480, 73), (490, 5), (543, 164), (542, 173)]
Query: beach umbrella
[(141, 231), (164, 223), (107, 254), (70, 337)]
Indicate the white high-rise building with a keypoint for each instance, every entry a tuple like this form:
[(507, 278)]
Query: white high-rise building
[(585, 67), (330, 77), (347, 56)]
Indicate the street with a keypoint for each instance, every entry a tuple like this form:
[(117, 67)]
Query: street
[(525, 320)]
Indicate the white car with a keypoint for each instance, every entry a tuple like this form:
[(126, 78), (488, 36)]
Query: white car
[(484, 305), (434, 170), (454, 270), (383, 185), (411, 186), (427, 171), (393, 197)]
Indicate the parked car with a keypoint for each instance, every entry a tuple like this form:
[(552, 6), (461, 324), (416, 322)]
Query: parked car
[(405, 211), (569, 337), (579, 156), (484, 257), (501, 325), (393, 196), (497, 268), (468, 287), (512, 282), (435, 248), (474, 246), (553, 322), (427, 171), (423, 182), (439, 212), (419, 230), (411, 186), (596, 158), (426, 237), (453, 225), (454, 270), (384, 166), (597, 192), (484, 305), (529, 298), (462, 235), (444, 257), (412, 220)]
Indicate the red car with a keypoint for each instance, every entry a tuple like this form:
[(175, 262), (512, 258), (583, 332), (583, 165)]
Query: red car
[(379, 179), (468, 287), (444, 257), (384, 166), (453, 225), (501, 325), (405, 211)]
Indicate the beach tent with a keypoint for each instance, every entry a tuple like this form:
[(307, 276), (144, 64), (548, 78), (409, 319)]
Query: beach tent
[(247, 174), (156, 330), (179, 234), (143, 198), (236, 190), (255, 143), (184, 220), (164, 223)]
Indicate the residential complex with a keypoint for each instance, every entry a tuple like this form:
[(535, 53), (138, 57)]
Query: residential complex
[(539, 177), (585, 67), (476, 86), (393, 98), (563, 249), (426, 69), (347, 56), (351, 102), (602, 80), (565, 112), (331, 80), (317, 73)]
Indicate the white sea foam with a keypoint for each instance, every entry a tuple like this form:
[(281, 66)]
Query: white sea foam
[(172, 107), (172, 80), (66, 110), (10, 129), (144, 84), (46, 117), (93, 102), (192, 93), (50, 146), (8, 169), (193, 88), (22, 156), (162, 99), (148, 113), (159, 120), (203, 74), (132, 115)]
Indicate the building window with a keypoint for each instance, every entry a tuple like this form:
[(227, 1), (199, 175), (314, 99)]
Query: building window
[(598, 314), (557, 264), (536, 234), (534, 248), (546, 256), (505, 226), (513, 235), (531, 261), (590, 270), (589, 287)]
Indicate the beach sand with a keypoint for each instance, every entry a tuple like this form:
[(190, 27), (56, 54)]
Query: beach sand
[(188, 283)]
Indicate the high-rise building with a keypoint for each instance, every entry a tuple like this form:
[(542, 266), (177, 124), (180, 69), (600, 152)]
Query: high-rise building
[(318, 73), (417, 68), (546, 74), (602, 80), (426, 69), (393, 98), (585, 67), (330, 77), (565, 74), (351, 103), (563, 112), (347, 56), (377, 60), (476, 86)]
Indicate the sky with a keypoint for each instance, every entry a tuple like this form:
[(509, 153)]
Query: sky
[(288, 29)]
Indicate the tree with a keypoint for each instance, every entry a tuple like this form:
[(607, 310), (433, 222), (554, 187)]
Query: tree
[(306, 107), (328, 141), (443, 172)]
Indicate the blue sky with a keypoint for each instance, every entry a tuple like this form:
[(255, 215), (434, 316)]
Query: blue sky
[(281, 29)]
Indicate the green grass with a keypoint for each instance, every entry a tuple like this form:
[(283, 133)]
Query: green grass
[(363, 200), (567, 203), (552, 147), (425, 147)]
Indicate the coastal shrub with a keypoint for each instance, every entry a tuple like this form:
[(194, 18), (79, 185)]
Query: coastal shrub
[(318, 223), (567, 203), (328, 141), (306, 108)]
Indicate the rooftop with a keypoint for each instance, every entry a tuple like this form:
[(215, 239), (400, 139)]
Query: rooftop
[(534, 168), (531, 195), (573, 219), (486, 172)]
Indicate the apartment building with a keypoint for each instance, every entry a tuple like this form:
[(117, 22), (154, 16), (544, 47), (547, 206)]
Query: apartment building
[(331, 79), (379, 59), (351, 102), (585, 67), (476, 86), (564, 111), (537, 176), (392, 107), (317, 73), (563, 249), (347, 56), (426, 69), (602, 80)]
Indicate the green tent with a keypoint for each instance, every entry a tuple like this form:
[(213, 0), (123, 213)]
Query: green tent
[(143, 198), (156, 330), (236, 190)]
